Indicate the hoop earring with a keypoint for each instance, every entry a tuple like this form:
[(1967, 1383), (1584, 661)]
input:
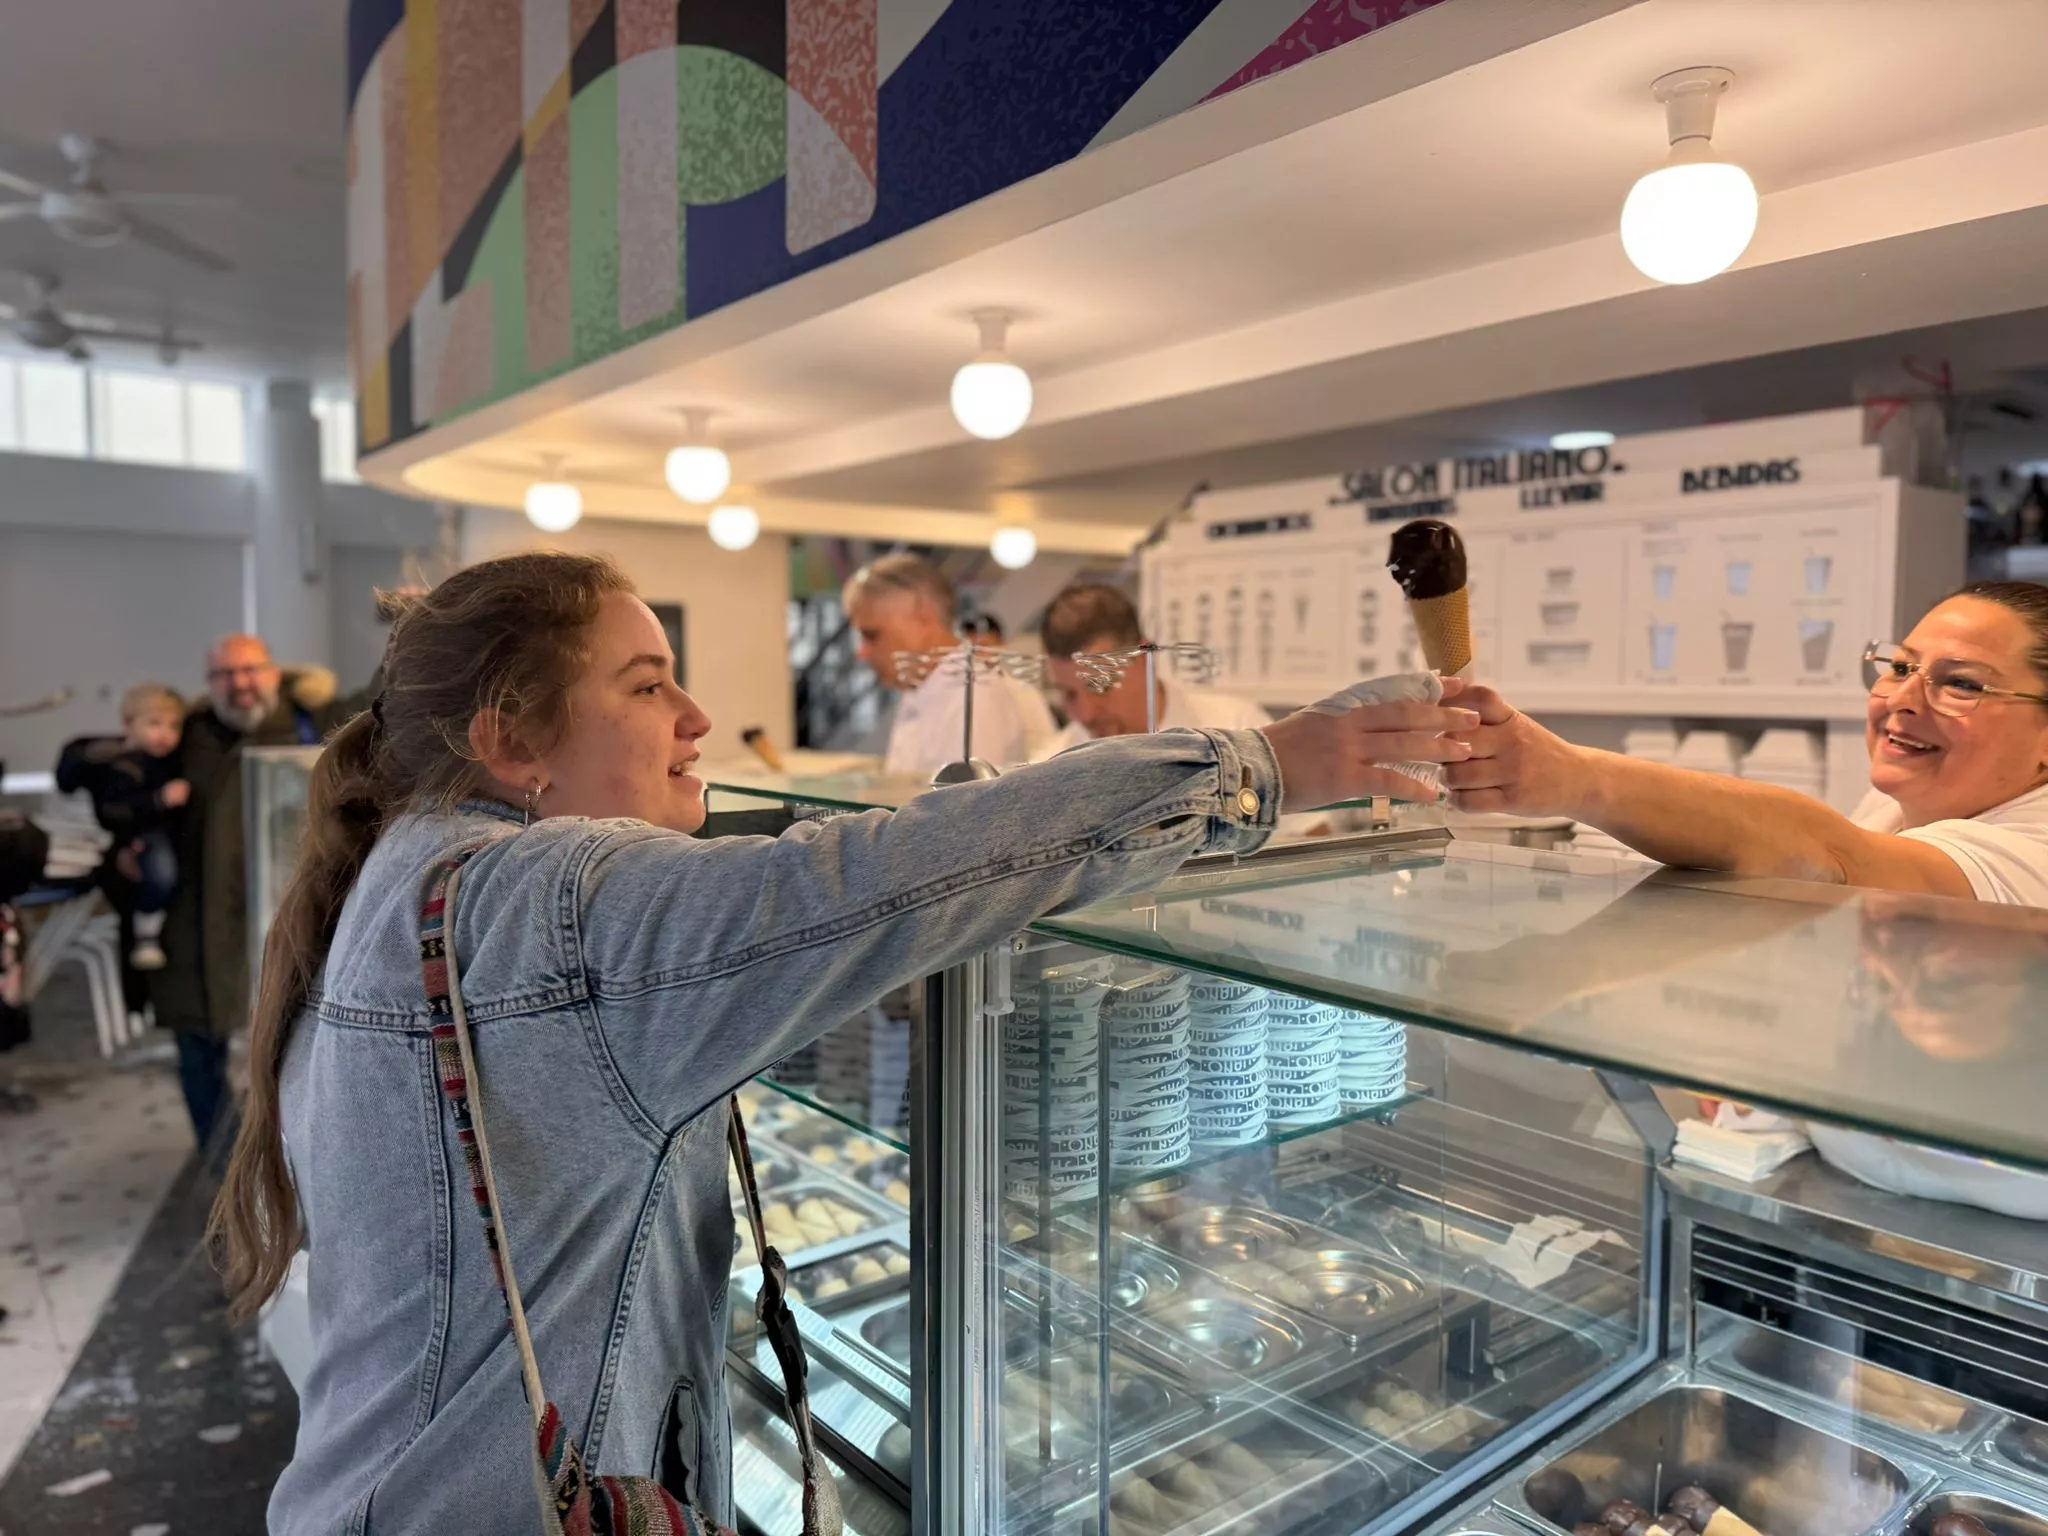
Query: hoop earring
[(533, 794)]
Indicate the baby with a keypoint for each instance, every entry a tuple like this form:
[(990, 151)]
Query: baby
[(136, 786)]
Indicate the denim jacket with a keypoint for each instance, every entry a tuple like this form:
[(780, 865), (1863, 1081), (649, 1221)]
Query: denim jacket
[(621, 981)]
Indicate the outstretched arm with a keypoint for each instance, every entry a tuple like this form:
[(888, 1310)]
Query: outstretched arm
[(1677, 816)]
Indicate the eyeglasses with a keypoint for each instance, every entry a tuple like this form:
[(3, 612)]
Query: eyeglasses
[(1950, 691)]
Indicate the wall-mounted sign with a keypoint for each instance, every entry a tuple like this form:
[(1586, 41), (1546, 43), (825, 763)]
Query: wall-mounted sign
[(1735, 477), (1545, 477)]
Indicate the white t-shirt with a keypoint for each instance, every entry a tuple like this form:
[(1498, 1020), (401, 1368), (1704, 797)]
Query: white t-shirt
[(1201, 709), (2003, 853), (1012, 722)]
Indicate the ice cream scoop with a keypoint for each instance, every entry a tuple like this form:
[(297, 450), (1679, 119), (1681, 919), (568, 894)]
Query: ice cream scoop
[(1427, 561)]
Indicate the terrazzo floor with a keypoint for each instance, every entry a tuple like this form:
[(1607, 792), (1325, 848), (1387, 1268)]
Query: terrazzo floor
[(127, 1404)]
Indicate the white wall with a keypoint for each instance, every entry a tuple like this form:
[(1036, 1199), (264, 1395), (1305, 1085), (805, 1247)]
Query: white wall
[(113, 574), (98, 612), (735, 608)]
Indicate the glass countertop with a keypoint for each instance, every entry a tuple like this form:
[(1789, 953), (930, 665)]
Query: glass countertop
[(1919, 1015)]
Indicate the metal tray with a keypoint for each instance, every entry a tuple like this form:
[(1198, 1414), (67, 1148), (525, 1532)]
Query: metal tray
[(1221, 1234), (1218, 1341), (1438, 1435), (806, 1280), (1780, 1475), (879, 1329), (1813, 1370), (1141, 1276), (1354, 1292), (2000, 1516), (2009, 1450), (1301, 1482), (879, 1212), (1048, 1418)]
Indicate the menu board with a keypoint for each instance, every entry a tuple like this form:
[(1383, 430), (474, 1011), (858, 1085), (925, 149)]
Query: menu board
[(1690, 588)]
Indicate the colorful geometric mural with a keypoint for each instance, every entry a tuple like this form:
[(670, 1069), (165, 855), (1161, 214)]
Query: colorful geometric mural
[(535, 184)]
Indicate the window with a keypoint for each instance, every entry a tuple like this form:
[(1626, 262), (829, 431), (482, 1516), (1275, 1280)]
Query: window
[(337, 417), (138, 418), (121, 414), (216, 426), (51, 397)]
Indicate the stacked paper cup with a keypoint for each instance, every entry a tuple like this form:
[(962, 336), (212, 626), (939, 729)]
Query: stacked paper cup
[(1372, 1059), (1145, 1022), (1052, 1105), (1226, 1062), (1303, 1040)]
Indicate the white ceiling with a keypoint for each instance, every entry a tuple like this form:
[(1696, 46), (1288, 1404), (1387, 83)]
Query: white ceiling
[(1421, 250), (244, 97)]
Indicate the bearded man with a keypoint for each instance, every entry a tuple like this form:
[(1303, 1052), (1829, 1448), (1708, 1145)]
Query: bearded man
[(202, 994)]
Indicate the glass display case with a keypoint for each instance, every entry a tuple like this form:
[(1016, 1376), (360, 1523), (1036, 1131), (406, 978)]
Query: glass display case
[(1334, 1192), (274, 781)]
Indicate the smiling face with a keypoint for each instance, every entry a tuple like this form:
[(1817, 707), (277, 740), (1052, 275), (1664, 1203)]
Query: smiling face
[(631, 733), (1941, 767)]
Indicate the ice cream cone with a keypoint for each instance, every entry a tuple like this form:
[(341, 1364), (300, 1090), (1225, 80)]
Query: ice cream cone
[(1444, 626)]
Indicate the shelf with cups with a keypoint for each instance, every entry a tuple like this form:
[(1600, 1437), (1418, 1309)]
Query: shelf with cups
[(1115, 1075)]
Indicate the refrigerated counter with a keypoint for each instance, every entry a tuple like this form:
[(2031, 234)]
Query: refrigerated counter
[(1055, 1278), (1482, 1298)]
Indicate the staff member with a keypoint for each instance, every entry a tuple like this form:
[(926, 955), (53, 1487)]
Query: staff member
[(1096, 618), (1957, 728), (903, 604)]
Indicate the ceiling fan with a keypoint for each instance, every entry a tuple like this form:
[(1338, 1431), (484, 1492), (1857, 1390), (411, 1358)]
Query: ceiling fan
[(49, 329), (84, 212)]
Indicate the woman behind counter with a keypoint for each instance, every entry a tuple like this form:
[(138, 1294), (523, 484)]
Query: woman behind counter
[(1957, 728), (622, 979)]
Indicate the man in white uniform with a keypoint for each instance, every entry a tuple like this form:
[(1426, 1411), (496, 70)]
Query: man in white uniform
[(1098, 618), (903, 604)]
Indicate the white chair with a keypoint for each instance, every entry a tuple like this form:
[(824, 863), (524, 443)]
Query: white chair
[(76, 922)]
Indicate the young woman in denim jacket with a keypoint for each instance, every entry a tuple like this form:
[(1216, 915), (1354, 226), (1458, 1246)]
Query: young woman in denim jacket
[(622, 979)]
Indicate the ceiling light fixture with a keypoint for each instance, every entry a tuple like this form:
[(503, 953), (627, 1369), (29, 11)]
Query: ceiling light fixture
[(553, 505), (992, 395), (1569, 442), (1013, 547), (1694, 215), (735, 527), (697, 470)]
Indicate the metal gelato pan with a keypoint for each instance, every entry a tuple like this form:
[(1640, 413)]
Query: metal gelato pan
[(1996, 1515), (1259, 1473), (1861, 1389), (1780, 1475)]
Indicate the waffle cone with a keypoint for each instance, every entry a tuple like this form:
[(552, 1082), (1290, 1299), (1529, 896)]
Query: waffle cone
[(1444, 626)]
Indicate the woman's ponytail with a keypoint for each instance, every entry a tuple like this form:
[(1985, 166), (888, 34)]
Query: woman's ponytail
[(257, 1213)]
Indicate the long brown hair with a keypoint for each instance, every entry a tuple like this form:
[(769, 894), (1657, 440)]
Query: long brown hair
[(506, 637)]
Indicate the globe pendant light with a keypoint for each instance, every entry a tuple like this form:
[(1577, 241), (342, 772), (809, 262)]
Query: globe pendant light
[(553, 505), (697, 471), (1013, 547), (992, 395), (734, 527), (1692, 217)]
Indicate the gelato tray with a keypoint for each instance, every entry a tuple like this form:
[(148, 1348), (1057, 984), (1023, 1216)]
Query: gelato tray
[(1780, 1475), (1259, 1473), (1859, 1388), (1947, 1512)]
